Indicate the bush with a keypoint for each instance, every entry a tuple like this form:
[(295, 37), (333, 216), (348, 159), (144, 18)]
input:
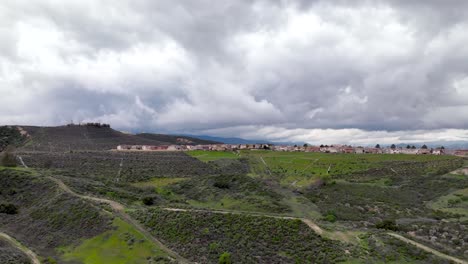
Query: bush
[(8, 209), (8, 158), (225, 258), (148, 200), (222, 184), (330, 217), (387, 224)]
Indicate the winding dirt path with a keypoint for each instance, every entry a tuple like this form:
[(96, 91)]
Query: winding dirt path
[(119, 210), (34, 258), (308, 222), (427, 249)]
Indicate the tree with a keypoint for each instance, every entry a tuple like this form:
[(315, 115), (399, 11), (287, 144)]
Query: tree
[(424, 146), (322, 146), (413, 147), (225, 258), (442, 147), (393, 146), (408, 146), (8, 209), (148, 200), (387, 224), (305, 145), (377, 146)]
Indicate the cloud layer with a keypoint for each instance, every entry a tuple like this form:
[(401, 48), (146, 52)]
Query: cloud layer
[(251, 68)]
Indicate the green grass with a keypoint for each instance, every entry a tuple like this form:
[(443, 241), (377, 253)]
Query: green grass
[(253, 204), (300, 169), (206, 156), (455, 202), (122, 245), (158, 182)]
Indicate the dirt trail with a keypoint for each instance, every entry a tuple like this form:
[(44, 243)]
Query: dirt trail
[(22, 162), (119, 210), (308, 222), (428, 249), (34, 258), (266, 165)]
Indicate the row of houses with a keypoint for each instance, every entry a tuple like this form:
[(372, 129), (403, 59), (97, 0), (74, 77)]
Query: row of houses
[(360, 150), (305, 148), (210, 147)]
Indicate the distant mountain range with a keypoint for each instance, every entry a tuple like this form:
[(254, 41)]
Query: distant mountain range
[(235, 140), (436, 144)]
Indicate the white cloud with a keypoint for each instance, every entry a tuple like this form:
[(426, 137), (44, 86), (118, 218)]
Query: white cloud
[(279, 67)]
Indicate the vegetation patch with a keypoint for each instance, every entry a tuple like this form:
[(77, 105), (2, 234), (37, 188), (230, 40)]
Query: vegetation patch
[(455, 203), (47, 218), (234, 192), (301, 168), (123, 244), (10, 136), (206, 237), (206, 156), (12, 255)]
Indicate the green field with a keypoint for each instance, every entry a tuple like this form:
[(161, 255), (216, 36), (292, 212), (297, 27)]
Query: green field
[(301, 169), (455, 203), (123, 245), (212, 155)]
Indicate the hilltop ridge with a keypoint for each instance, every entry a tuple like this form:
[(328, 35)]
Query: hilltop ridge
[(86, 137)]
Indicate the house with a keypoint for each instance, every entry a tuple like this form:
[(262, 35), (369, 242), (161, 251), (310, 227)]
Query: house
[(174, 148), (409, 151), (347, 149), (124, 147), (461, 152), (438, 151), (359, 150), (373, 150), (312, 149), (424, 151), (329, 149), (394, 150)]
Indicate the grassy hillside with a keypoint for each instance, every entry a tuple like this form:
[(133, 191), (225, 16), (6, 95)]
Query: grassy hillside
[(66, 138), (234, 202), (89, 137), (204, 237), (120, 245), (46, 218), (60, 227)]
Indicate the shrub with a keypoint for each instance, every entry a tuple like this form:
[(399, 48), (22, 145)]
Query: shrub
[(387, 224), (225, 258), (8, 158), (330, 217), (8, 209), (221, 184), (148, 200)]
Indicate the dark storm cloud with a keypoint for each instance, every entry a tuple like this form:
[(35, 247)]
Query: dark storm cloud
[(255, 67)]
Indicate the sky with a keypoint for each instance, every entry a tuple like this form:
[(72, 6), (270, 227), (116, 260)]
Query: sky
[(357, 72)]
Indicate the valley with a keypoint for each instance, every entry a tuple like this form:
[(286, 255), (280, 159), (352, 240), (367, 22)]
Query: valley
[(79, 202)]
